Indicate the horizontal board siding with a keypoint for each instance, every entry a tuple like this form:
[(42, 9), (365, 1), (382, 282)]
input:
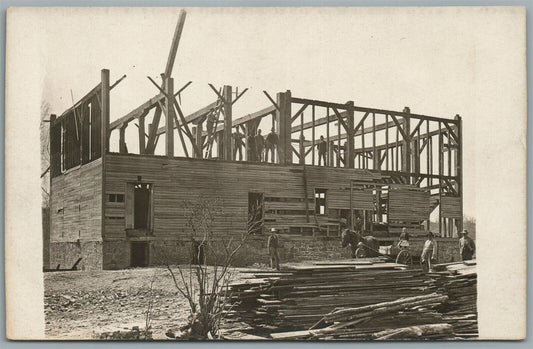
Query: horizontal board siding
[(408, 204), (361, 199), (76, 204), (451, 207), (178, 180)]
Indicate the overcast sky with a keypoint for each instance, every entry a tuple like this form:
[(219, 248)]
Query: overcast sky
[(436, 61)]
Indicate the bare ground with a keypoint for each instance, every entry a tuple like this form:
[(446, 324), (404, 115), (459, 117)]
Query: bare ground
[(83, 304)]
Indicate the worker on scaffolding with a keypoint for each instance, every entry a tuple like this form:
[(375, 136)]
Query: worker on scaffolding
[(259, 145), (238, 142), (251, 149), (467, 247), (322, 147), (429, 253), (210, 122), (272, 246), (271, 144)]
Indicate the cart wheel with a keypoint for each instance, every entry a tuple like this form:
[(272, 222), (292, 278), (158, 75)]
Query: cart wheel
[(404, 257), (360, 252)]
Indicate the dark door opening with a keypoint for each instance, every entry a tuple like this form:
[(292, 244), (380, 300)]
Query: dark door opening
[(139, 254), (141, 206), (255, 213)]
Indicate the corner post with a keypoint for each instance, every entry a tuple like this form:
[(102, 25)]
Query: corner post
[(226, 137), (169, 123), (104, 129), (406, 156), (459, 170)]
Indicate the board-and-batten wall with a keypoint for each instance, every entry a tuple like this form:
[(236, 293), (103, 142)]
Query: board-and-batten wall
[(178, 180), (76, 204)]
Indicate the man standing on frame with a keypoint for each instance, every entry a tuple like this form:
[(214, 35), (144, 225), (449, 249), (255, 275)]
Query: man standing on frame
[(259, 145), (251, 149), (271, 143), (322, 147), (272, 246), (238, 143)]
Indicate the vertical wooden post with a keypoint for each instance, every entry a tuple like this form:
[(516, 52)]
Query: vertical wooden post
[(387, 141), (169, 123), (284, 116), (440, 179), (122, 139), (327, 162), (198, 139), (313, 135), (104, 140), (104, 129), (406, 150), (142, 135), (226, 138), (350, 144), (375, 154), (459, 168)]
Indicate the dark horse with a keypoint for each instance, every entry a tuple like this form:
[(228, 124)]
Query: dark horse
[(369, 243)]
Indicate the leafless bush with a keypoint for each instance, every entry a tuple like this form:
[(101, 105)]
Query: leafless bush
[(205, 285)]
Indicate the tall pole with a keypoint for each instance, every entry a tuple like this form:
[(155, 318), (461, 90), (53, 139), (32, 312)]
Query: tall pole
[(226, 137), (169, 124)]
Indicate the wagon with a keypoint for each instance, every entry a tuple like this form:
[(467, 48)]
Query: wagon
[(399, 255)]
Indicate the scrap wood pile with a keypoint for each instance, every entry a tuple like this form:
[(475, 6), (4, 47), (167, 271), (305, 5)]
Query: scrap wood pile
[(357, 299), (459, 282), (298, 297)]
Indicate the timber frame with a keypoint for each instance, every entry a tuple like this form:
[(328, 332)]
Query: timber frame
[(404, 159)]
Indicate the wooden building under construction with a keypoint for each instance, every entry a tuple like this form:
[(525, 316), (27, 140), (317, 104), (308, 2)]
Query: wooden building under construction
[(385, 169)]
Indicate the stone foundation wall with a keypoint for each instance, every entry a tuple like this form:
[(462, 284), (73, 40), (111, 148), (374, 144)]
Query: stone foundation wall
[(67, 253), (116, 254)]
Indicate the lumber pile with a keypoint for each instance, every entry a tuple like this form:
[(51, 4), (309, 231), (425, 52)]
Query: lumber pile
[(459, 282), (404, 318), (298, 297)]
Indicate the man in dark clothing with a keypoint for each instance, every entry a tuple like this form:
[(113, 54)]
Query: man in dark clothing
[(467, 248), (259, 145), (272, 246), (238, 143), (322, 147), (250, 146), (271, 144)]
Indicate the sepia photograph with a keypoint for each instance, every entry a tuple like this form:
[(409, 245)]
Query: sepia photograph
[(270, 173)]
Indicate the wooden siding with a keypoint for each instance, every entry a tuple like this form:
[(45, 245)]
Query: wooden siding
[(408, 204), (451, 207), (178, 180), (76, 203)]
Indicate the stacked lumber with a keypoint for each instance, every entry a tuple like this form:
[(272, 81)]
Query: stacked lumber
[(459, 282), (404, 318), (298, 297)]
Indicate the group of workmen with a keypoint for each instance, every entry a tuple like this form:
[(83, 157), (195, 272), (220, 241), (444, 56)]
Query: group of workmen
[(467, 248), (257, 146)]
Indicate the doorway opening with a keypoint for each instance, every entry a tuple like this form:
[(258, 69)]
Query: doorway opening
[(139, 254)]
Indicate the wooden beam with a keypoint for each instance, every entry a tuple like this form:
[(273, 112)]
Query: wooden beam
[(402, 114), (450, 130), (227, 107), (152, 133), (192, 117), (284, 117), (349, 152), (169, 122), (250, 117), (105, 128), (134, 114), (318, 103), (142, 133), (174, 45), (298, 113), (340, 119)]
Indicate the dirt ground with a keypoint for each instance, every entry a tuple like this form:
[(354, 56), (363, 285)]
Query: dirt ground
[(83, 304)]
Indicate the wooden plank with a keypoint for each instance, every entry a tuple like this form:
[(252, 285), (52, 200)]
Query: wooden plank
[(152, 102), (175, 43), (200, 113)]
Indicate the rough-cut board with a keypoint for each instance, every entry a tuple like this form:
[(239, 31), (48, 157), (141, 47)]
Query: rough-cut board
[(408, 204), (451, 207), (178, 180), (362, 199)]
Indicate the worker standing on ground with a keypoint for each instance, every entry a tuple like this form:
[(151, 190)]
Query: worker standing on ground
[(271, 144), (404, 239), (272, 246), (259, 145), (238, 143), (429, 253), (251, 149), (322, 147), (467, 248)]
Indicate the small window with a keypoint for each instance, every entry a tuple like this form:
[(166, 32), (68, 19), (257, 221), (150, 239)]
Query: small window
[(320, 201), (116, 197)]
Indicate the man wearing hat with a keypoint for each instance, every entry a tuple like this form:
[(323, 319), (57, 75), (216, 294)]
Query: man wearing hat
[(467, 248), (429, 252), (272, 246)]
